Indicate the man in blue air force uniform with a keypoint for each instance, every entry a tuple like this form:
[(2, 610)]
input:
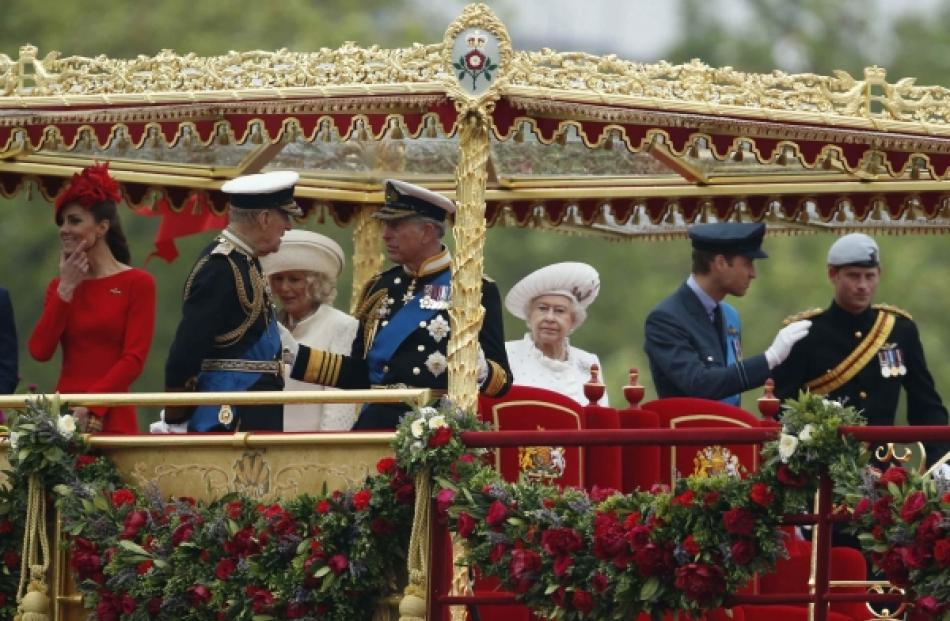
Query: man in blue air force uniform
[(693, 338), (402, 341), (228, 339)]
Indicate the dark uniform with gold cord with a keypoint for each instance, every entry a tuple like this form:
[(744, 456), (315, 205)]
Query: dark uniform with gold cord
[(228, 338), (863, 359), (402, 341)]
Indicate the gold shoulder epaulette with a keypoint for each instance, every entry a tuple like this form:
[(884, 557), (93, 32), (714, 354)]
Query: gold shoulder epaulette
[(892, 309), (807, 314), (488, 278)]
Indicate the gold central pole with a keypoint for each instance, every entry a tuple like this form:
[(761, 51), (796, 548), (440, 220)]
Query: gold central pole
[(368, 260), (467, 312)]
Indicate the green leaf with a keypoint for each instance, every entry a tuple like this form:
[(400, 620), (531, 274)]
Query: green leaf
[(551, 589), (322, 571), (160, 563), (100, 502), (649, 589), (23, 453), (131, 546), (303, 546), (515, 521), (461, 75), (487, 75), (262, 618)]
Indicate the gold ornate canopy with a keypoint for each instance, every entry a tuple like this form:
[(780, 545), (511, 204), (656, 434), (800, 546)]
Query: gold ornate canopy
[(617, 147)]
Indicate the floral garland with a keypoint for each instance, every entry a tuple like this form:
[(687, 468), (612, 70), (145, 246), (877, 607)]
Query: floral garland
[(567, 554)]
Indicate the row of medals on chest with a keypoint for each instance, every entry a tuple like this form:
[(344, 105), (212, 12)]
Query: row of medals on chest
[(434, 297), (891, 359)]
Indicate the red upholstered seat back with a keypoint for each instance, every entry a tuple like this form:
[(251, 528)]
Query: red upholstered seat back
[(532, 409), (641, 463), (688, 413)]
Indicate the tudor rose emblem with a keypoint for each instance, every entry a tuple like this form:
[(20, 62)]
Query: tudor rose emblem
[(475, 55)]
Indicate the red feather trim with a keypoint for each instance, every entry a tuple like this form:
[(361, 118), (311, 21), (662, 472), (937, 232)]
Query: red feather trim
[(89, 187)]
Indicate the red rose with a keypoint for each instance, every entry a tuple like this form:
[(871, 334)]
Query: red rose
[(700, 582), (444, 499), (926, 608), (497, 513), (882, 511), (295, 610), (234, 509), (760, 494), (610, 541), (381, 526), (787, 477), (133, 523), (690, 546), (583, 601), (224, 568), (743, 551), (338, 563), (198, 595), (652, 560), (361, 499), (85, 560), (441, 437), (560, 541), (11, 559), (738, 521), (522, 567), (912, 556), (942, 552), (154, 606), (862, 508), (711, 498), (600, 494), (559, 597), (122, 496), (913, 505), (475, 61), (684, 500), (639, 536), (261, 599), (497, 553), (894, 474), (85, 460), (892, 564), (6, 527), (600, 582), (323, 507), (405, 493), (386, 465), (143, 567), (928, 530), (562, 564), (466, 525), (107, 608), (182, 533)]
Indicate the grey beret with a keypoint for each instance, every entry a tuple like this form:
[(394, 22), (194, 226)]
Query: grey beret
[(855, 249)]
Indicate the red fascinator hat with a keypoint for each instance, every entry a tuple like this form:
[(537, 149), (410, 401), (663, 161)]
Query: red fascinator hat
[(90, 186)]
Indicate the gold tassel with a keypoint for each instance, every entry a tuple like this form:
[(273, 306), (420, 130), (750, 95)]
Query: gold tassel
[(35, 604)]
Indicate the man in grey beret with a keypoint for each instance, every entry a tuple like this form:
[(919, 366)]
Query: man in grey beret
[(861, 353)]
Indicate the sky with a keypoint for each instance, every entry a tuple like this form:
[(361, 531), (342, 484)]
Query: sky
[(639, 30)]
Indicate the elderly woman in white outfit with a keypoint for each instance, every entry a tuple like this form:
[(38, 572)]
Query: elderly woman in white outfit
[(303, 275), (553, 301)]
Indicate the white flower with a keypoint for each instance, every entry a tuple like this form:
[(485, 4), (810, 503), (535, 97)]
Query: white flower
[(13, 439), (66, 425), (830, 403), (807, 433), (786, 446), (417, 428), (428, 411), (436, 421), (437, 363), (416, 446), (438, 328)]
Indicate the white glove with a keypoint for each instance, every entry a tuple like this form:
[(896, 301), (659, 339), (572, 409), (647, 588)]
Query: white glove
[(160, 426), (288, 345), (782, 345), (482, 368)]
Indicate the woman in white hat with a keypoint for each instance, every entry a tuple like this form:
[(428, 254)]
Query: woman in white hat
[(553, 301), (303, 275)]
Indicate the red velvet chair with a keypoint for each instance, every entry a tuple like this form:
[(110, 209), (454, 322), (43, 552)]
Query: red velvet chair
[(525, 408)]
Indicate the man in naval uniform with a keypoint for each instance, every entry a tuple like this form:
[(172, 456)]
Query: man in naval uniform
[(228, 338), (693, 338), (862, 353), (403, 337)]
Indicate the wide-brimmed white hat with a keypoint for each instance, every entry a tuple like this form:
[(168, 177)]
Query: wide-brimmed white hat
[(306, 251), (579, 282)]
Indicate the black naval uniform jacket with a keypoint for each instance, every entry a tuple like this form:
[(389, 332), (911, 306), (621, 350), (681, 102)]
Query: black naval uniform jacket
[(420, 359), (226, 310), (687, 357), (834, 335)]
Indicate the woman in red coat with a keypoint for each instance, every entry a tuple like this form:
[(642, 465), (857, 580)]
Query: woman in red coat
[(101, 310)]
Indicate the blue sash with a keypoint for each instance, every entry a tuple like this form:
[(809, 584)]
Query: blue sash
[(400, 326), (733, 340), (205, 417)]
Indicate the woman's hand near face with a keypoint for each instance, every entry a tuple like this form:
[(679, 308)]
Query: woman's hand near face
[(73, 269)]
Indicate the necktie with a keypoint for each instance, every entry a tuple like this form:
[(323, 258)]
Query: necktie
[(720, 328)]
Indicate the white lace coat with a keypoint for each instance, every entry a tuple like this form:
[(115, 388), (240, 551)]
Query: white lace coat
[(530, 367), (333, 331)]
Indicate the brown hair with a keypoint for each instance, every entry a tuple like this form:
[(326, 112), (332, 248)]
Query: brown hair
[(115, 237)]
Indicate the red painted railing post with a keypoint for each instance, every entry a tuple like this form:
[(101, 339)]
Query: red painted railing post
[(821, 550)]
